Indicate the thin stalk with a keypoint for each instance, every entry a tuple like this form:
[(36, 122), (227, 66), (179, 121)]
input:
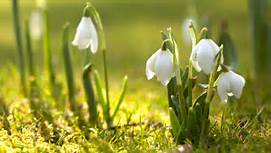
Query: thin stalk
[(48, 52), (68, 68), (209, 97), (92, 106), (100, 30), (190, 77), (29, 50), (106, 86), (17, 28)]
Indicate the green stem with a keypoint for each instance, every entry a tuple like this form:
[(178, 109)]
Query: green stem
[(212, 78), (106, 87), (69, 68), (29, 50), (47, 51), (100, 30), (92, 106), (17, 28), (190, 77)]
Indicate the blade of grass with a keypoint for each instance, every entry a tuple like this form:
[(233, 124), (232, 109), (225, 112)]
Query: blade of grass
[(68, 68), (123, 91), (92, 106), (17, 28)]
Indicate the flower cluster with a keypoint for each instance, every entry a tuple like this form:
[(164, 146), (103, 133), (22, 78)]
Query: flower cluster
[(202, 57), (190, 119)]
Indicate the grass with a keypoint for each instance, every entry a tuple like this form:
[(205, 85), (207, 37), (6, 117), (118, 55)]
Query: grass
[(132, 30)]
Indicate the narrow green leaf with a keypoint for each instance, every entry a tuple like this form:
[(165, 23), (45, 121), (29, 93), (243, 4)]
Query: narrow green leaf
[(29, 49), (172, 91), (122, 94), (193, 35), (202, 34), (176, 127), (192, 125), (47, 51), (200, 99), (92, 106), (68, 67), (100, 94), (19, 43)]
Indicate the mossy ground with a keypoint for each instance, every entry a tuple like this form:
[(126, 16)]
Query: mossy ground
[(142, 125)]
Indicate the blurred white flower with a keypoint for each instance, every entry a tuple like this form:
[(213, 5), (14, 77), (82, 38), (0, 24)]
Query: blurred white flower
[(41, 4), (203, 55), (185, 28), (230, 84), (36, 24), (86, 35), (161, 65)]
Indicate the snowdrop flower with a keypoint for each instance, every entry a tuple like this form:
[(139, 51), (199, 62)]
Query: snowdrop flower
[(230, 84), (86, 34), (203, 55), (36, 24), (161, 65)]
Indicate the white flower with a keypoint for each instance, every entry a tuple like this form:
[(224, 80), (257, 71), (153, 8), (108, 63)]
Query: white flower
[(203, 55), (36, 25), (230, 84), (86, 35), (161, 65)]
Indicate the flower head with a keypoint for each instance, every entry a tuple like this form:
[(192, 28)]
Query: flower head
[(86, 34), (203, 55), (230, 84), (36, 24), (161, 65)]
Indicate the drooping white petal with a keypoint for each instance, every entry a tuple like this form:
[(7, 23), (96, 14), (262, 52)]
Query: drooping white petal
[(230, 84), (193, 59), (150, 65), (237, 83), (223, 86), (86, 35), (36, 25), (164, 68), (205, 52), (94, 39)]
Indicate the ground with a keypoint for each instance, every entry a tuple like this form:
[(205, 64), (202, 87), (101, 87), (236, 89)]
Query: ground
[(142, 125)]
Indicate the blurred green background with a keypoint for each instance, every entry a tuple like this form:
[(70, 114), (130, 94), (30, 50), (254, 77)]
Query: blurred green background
[(132, 31)]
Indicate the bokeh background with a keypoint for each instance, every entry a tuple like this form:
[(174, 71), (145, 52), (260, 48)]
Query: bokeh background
[(132, 30)]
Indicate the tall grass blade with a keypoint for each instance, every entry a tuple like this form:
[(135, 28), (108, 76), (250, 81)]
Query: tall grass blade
[(258, 14), (48, 52), (100, 95), (175, 124), (68, 68), (102, 46), (19, 43), (122, 94), (92, 106)]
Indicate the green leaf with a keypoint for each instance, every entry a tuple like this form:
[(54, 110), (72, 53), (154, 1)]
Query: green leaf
[(19, 45), (92, 106), (68, 67), (192, 125), (203, 34), (123, 91), (176, 127), (185, 75), (100, 94), (200, 99), (193, 35)]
